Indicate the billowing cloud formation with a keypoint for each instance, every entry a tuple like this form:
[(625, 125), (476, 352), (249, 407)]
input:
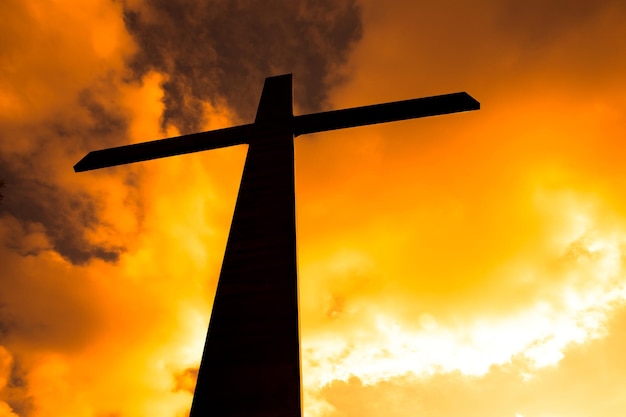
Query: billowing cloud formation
[(90, 322), (468, 263), (219, 51), (55, 104), (497, 234), (503, 391)]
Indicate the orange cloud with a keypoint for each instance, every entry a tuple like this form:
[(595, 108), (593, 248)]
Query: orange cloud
[(466, 240), (464, 262)]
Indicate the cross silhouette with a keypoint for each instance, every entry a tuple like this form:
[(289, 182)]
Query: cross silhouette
[(251, 361)]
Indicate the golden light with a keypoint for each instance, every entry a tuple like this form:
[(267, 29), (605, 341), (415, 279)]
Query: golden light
[(473, 262)]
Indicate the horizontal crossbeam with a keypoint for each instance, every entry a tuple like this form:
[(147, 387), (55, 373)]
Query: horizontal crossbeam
[(309, 123), (162, 148), (386, 112)]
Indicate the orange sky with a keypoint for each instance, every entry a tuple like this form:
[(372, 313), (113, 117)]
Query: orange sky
[(468, 264)]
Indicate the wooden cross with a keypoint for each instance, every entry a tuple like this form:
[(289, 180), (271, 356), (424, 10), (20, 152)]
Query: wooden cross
[(251, 361)]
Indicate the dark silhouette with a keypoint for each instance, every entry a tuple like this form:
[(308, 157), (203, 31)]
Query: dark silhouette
[(1, 186), (251, 360)]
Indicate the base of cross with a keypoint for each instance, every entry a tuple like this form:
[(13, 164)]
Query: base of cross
[(251, 361)]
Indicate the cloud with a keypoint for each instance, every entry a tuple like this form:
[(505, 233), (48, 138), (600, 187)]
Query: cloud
[(458, 195), (421, 243), (14, 397), (65, 215), (56, 106), (505, 225), (96, 315), (562, 390), (220, 52)]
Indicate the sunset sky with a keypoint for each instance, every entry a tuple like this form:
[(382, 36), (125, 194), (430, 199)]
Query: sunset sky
[(470, 264)]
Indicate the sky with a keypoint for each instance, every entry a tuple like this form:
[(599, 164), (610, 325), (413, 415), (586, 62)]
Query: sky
[(460, 265)]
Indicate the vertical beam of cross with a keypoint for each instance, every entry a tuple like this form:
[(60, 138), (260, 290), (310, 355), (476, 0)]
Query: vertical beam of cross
[(251, 361)]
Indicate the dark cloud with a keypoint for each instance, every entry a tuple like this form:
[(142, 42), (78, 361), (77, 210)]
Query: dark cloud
[(64, 215), (222, 50), (105, 124), (34, 195), (15, 393)]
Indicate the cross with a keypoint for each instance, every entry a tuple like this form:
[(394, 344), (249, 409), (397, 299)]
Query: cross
[(251, 361)]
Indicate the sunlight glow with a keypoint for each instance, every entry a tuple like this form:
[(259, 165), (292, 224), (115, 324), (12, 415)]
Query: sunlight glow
[(472, 263), (590, 283)]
